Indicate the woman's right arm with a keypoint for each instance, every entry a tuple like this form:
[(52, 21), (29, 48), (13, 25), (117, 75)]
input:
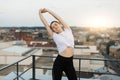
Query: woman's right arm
[(50, 32)]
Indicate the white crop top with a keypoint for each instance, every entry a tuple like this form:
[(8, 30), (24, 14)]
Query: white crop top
[(63, 40)]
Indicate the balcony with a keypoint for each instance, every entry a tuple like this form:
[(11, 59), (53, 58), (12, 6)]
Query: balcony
[(32, 72)]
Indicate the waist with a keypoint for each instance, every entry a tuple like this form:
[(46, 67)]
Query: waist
[(63, 58), (68, 52)]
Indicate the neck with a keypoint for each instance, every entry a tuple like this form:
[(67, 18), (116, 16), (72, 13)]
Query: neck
[(59, 31)]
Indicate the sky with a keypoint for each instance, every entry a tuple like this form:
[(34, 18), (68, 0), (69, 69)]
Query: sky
[(92, 13)]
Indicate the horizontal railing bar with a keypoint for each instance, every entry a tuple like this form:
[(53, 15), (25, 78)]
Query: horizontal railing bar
[(83, 58), (14, 63), (20, 77), (43, 68), (22, 73), (46, 56)]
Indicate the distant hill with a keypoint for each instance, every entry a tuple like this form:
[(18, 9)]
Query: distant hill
[(24, 28)]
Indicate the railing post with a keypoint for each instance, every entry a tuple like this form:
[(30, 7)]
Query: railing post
[(79, 67), (33, 67), (17, 70)]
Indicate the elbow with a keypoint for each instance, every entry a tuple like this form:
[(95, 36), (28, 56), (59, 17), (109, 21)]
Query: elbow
[(40, 12)]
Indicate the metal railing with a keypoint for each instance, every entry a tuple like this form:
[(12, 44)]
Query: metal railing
[(33, 67)]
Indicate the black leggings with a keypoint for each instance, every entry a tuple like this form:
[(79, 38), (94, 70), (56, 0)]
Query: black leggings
[(63, 64)]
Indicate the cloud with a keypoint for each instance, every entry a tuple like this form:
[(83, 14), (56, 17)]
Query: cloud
[(2, 12), (75, 12)]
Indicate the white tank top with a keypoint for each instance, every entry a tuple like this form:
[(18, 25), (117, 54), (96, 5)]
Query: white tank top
[(63, 40)]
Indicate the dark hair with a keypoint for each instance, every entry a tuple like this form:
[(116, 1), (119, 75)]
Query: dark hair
[(51, 25)]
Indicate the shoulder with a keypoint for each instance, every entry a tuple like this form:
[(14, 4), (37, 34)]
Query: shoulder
[(54, 35), (68, 29)]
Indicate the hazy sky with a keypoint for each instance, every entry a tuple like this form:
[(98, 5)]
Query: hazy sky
[(74, 12)]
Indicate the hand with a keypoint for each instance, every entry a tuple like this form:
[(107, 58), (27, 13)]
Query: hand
[(44, 10)]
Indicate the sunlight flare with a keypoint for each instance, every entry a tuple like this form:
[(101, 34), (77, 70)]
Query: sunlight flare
[(99, 21)]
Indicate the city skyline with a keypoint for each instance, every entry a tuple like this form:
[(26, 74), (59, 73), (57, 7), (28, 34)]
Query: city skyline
[(93, 13)]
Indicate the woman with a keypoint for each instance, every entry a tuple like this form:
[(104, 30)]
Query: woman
[(63, 37)]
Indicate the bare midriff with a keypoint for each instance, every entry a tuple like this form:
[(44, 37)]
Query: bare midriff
[(68, 52)]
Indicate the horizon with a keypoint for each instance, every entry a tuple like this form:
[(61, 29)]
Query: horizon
[(70, 27), (90, 13)]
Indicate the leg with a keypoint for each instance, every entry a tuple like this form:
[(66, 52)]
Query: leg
[(57, 70), (70, 71)]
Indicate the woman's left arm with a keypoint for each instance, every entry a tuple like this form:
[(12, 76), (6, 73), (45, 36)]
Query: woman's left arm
[(58, 18)]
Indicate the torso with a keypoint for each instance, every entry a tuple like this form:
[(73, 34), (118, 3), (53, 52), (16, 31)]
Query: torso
[(68, 52), (64, 42)]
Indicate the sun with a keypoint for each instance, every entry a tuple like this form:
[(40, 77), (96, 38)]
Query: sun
[(99, 21)]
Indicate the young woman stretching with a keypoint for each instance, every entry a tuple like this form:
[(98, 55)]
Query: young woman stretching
[(63, 37)]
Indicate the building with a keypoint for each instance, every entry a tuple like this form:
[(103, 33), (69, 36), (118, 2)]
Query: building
[(88, 52), (115, 51)]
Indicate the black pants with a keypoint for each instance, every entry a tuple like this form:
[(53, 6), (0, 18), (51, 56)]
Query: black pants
[(63, 64)]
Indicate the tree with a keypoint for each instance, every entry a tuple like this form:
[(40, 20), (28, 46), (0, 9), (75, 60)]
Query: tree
[(110, 43)]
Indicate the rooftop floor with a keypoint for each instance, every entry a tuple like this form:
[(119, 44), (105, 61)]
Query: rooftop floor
[(28, 76)]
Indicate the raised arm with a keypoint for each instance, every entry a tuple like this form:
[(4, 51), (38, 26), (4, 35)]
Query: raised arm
[(58, 18), (50, 32)]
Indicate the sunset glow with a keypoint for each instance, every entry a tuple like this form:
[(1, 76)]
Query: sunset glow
[(88, 13), (99, 21)]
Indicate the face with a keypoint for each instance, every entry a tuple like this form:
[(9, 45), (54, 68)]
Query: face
[(56, 27)]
